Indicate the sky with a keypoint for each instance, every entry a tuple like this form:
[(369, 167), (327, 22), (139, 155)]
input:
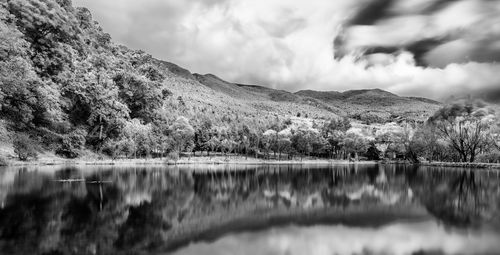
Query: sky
[(429, 48)]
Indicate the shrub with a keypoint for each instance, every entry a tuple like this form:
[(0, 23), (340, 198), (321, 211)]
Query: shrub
[(492, 157), (4, 134), (119, 148), (24, 147), (368, 118), (3, 161), (72, 144), (174, 155)]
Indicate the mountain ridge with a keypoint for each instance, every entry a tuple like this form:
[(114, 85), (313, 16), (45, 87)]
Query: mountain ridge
[(378, 102)]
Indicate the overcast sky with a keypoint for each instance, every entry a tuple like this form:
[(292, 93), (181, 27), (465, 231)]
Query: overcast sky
[(430, 48)]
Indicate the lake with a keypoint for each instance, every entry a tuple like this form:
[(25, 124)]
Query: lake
[(249, 209)]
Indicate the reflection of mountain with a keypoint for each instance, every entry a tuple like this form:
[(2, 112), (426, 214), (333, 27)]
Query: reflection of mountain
[(154, 209)]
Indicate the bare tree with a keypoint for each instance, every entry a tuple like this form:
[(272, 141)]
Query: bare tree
[(466, 126)]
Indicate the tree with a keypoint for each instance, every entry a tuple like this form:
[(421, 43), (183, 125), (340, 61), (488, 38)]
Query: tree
[(269, 141), (303, 141), (284, 145), (24, 147), (139, 134), (72, 144), (182, 134), (465, 125), (495, 135), (25, 98), (52, 31), (213, 143), (355, 143), (202, 135), (425, 142), (244, 134), (142, 96), (227, 145), (333, 131)]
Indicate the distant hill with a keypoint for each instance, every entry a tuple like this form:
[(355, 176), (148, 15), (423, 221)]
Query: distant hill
[(322, 104)]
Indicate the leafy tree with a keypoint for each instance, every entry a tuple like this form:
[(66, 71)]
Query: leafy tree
[(466, 126), (213, 143), (182, 134), (72, 144), (269, 141), (425, 142), (52, 31), (141, 95), (95, 100), (140, 134), (333, 131), (24, 147), (303, 140), (227, 146), (355, 143), (202, 135), (25, 98)]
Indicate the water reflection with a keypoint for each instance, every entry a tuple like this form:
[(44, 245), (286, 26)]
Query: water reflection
[(399, 238), (258, 209)]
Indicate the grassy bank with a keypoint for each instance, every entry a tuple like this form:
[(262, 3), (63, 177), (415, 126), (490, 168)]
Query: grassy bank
[(48, 159), (215, 160), (449, 164)]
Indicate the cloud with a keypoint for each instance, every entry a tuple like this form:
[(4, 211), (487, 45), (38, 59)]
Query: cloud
[(461, 30), (289, 44), (399, 238)]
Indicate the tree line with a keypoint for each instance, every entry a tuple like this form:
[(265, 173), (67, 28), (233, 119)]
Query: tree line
[(66, 87)]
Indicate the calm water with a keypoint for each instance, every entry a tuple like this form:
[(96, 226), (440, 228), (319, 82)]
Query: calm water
[(249, 210)]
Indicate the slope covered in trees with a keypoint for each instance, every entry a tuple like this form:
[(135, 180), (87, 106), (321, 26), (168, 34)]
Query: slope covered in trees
[(66, 87)]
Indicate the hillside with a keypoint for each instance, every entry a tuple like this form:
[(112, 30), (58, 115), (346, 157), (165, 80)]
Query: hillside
[(319, 104), (377, 102), (66, 86)]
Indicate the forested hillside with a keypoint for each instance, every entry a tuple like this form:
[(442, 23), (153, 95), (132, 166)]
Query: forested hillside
[(67, 88)]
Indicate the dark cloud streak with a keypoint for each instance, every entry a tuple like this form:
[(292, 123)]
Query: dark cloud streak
[(438, 5), (470, 43), (371, 12)]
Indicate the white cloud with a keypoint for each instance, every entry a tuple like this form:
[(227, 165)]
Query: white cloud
[(286, 44)]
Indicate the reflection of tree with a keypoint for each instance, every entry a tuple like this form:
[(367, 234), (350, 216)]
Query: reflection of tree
[(137, 209), (460, 198), (49, 216)]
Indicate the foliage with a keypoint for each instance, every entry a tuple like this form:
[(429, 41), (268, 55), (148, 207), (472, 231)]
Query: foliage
[(182, 134), (62, 79), (4, 161), (466, 126), (174, 155), (72, 144), (355, 143), (24, 147), (490, 157)]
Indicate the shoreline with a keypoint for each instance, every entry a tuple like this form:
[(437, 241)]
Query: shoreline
[(234, 160), (476, 165), (183, 161)]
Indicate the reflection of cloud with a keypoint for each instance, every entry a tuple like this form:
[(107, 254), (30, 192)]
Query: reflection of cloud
[(287, 44), (402, 238)]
